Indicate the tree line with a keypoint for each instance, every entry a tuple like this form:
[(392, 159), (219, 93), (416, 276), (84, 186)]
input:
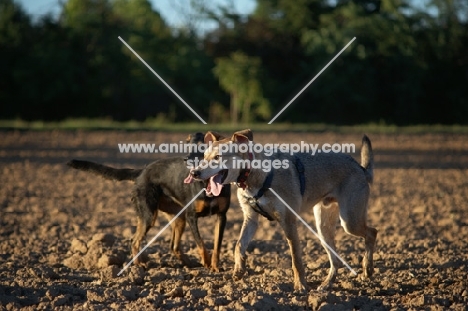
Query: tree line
[(408, 65)]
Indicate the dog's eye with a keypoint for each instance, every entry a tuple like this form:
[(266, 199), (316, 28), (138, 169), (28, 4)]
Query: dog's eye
[(216, 157)]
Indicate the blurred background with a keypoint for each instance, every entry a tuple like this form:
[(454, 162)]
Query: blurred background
[(235, 61)]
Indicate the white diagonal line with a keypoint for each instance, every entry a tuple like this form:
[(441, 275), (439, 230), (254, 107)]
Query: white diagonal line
[(162, 80), (316, 76), (160, 231), (315, 233)]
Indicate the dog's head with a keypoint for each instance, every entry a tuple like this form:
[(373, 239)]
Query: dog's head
[(194, 140), (218, 165)]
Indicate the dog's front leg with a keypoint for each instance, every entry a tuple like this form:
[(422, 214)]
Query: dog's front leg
[(249, 227), (193, 223), (289, 225), (218, 239)]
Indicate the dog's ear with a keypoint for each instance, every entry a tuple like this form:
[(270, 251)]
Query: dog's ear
[(212, 137), (243, 136), (199, 137), (195, 138)]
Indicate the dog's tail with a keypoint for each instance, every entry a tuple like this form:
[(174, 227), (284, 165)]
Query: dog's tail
[(105, 171), (367, 158)]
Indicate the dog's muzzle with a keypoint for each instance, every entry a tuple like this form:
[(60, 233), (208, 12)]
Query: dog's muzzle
[(195, 173)]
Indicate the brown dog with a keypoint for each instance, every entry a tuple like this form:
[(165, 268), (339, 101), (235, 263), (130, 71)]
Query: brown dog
[(159, 187)]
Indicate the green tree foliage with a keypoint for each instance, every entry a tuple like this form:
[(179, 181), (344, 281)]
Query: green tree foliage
[(238, 74), (408, 64), (116, 83), (76, 66), (383, 62), (15, 40)]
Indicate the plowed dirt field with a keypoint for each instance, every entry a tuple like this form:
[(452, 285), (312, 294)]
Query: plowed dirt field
[(64, 234)]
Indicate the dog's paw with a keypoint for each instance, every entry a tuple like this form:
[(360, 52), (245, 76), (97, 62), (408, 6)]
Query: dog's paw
[(238, 274), (368, 268), (206, 264), (324, 287), (141, 260), (367, 274), (300, 288), (206, 259)]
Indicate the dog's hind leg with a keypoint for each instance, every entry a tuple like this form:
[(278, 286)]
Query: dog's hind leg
[(170, 209), (145, 202), (142, 228), (178, 227), (326, 219), (143, 225), (353, 215), (368, 260)]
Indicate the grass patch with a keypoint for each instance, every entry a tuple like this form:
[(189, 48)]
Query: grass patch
[(157, 125)]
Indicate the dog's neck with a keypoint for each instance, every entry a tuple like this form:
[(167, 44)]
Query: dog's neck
[(249, 173)]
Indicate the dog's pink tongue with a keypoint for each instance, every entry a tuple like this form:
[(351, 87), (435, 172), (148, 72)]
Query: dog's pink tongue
[(189, 179), (216, 185)]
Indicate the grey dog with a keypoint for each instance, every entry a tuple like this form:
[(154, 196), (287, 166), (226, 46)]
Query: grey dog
[(334, 184)]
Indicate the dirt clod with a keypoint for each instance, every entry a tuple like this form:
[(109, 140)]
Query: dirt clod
[(78, 246), (176, 292)]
